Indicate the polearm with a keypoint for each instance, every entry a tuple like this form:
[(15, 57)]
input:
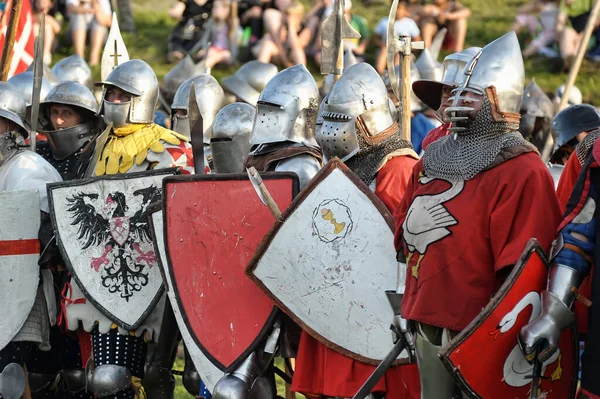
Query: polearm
[(9, 40), (400, 84), (589, 28), (196, 132), (234, 22), (334, 29), (38, 72)]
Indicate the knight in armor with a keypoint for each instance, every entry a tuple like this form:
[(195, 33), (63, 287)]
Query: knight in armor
[(573, 261), (134, 144), (577, 127), (463, 223), (21, 169), (209, 97), (358, 128), (248, 81), (68, 120), (435, 94), (230, 141), (537, 112), (282, 139), (283, 135)]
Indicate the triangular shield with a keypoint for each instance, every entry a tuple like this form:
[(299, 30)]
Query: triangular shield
[(213, 226), (19, 255), (103, 234), (335, 248), (209, 373), (490, 342)]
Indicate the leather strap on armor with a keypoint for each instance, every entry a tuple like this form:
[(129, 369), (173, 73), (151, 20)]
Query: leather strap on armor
[(263, 162)]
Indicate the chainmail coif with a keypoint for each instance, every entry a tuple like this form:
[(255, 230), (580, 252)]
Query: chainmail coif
[(583, 149), (365, 163), (471, 151)]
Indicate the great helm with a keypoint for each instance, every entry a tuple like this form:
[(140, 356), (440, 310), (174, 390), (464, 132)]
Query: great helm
[(573, 120), (23, 83), (287, 109), (230, 141), (496, 72), (359, 98), (12, 106), (248, 81), (65, 142), (138, 79), (73, 68), (430, 91), (209, 97)]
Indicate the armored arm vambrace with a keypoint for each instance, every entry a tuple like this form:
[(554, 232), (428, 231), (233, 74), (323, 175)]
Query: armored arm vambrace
[(50, 254), (576, 246)]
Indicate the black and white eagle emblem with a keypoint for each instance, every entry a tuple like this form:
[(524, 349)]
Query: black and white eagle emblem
[(126, 239)]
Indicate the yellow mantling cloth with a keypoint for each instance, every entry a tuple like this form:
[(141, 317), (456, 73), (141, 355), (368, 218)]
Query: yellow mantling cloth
[(129, 144)]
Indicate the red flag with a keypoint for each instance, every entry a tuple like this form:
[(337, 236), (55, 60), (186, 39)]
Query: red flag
[(23, 47)]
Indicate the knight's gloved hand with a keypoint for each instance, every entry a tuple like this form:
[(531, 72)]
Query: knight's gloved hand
[(131, 144), (542, 336), (405, 328)]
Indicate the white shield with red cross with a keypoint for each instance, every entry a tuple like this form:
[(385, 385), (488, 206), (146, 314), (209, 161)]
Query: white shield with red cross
[(19, 255)]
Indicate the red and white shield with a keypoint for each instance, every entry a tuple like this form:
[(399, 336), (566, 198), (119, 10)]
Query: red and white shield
[(119, 229), (19, 255), (213, 226), (485, 357), (23, 47)]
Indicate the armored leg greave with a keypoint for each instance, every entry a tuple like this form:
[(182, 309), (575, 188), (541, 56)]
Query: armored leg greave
[(59, 372), (118, 358), (159, 382), (191, 378)]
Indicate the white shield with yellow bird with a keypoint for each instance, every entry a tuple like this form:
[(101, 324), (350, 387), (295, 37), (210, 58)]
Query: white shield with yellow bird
[(328, 263)]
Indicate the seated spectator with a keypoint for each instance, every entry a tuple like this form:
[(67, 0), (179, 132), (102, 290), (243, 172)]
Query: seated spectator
[(448, 14), (192, 15), (251, 19), (52, 26), (94, 16), (286, 36), (526, 18), (577, 12), (219, 51), (404, 25)]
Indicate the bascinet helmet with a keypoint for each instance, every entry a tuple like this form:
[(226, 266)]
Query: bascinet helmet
[(248, 81), (73, 68), (357, 105), (230, 141), (495, 74), (287, 109), (209, 97)]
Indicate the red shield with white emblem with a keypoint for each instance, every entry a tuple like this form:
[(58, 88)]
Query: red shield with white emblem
[(485, 357), (213, 226)]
